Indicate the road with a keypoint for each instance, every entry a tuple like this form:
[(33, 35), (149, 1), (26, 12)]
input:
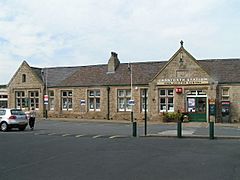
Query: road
[(88, 128), (55, 150)]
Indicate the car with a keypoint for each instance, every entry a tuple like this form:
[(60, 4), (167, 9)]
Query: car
[(12, 118)]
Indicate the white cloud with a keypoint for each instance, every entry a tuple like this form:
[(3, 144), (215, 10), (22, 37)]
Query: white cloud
[(63, 32)]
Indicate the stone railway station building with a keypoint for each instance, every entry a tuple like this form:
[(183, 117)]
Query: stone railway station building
[(199, 88)]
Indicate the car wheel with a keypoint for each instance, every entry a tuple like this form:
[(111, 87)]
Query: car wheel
[(22, 128), (4, 126)]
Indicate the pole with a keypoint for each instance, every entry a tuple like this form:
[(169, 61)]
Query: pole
[(131, 77), (108, 103), (46, 105), (134, 129), (211, 130), (145, 113), (179, 129)]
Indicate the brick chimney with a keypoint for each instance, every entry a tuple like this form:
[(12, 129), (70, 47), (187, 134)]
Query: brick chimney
[(113, 62)]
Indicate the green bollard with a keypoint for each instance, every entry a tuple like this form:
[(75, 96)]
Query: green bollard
[(179, 129), (134, 129), (211, 130)]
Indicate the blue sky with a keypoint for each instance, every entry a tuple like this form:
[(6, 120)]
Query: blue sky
[(49, 33)]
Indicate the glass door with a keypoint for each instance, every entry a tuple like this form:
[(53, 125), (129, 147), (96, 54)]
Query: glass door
[(196, 107)]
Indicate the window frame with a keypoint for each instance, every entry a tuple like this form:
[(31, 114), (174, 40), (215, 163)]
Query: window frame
[(94, 95), (142, 101), (124, 98), (21, 100), (51, 99), (225, 97), (67, 96), (24, 78), (33, 99), (164, 98)]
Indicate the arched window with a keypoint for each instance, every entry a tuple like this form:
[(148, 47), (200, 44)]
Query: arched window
[(24, 77)]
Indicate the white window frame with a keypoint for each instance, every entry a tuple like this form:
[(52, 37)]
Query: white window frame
[(123, 96), (21, 100), (166, 97), (225, 97), (51, 99), (66, 98), (94, 100), (33, 99), (142, 94)]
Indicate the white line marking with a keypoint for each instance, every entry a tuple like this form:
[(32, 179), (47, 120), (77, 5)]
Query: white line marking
[(97, 136), (116, 136), (174, 132), (112, 137), (64, 135), (52, 134), (38, 133), (80, 135)]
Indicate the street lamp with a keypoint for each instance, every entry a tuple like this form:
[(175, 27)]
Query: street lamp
[(131, 101), (45, 97)]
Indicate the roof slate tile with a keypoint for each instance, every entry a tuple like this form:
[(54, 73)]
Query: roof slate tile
[(222, 70)]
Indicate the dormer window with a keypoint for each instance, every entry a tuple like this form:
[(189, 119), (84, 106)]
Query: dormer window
[(24, 78)]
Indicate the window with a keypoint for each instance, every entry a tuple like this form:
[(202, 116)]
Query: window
[(66, 100), (51, 100), (2, 112), (3, 103), (143, 99), (94, 100), (225, 94), (166, 100), (34, 99), (24, 78), (124, 95), (3, 96), (21, 101)]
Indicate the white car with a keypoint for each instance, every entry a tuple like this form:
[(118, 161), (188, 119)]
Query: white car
[(12, 118)]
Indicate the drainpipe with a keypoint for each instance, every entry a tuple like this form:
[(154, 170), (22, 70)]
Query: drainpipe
[(108, 103)]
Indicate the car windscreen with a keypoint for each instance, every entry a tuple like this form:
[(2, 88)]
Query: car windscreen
[(17, 112)]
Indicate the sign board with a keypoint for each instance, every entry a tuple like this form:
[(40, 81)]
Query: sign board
[(179, 90), (211, 101), (212, 109), (182, 81), (82, 102), (131, 102), (45, 99)]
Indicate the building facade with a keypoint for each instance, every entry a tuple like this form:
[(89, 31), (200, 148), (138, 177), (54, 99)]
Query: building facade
[(202, 89)]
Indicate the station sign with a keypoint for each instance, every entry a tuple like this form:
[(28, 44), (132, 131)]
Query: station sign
[(45, 99), (82, 102), (179, 90), (131, 102), (182, 81)]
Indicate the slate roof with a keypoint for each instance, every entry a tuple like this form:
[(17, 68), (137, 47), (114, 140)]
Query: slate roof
[(222, 70)]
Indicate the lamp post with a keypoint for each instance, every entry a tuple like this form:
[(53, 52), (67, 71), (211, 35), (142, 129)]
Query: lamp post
[(45, 97), (131, 103)]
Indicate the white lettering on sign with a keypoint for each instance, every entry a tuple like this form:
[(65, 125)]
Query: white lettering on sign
[(182, 81)]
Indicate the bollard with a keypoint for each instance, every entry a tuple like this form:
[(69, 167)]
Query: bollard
[(211, 130), (179, 129), (134, 133)]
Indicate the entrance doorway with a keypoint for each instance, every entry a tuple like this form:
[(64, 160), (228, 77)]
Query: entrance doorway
[(196, 106)]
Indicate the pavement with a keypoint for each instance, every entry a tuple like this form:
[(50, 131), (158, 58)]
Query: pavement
[(189, 129)]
